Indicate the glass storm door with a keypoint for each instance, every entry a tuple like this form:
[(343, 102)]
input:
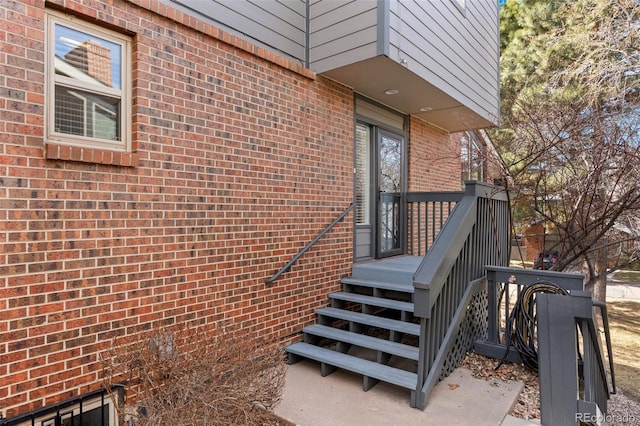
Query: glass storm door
[(378, 187), (364, 191), (390, 148)]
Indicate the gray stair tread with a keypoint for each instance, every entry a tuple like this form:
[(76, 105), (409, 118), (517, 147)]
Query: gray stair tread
[(373, 301), (372, 320), (386, 346), (399, 269), (385, 285), (387, 374)]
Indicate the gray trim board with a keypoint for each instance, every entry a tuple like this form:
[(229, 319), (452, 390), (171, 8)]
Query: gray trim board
[(383, 28)]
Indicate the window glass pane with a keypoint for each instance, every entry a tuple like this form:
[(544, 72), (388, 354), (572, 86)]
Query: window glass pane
[(88, 418), (105, 122), (83, 113), (87, 58), (473, 155), (390, 157)]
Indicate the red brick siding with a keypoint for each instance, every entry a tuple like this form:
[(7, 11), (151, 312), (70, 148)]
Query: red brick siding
[(434, 165), (241, 158), (434, 161)]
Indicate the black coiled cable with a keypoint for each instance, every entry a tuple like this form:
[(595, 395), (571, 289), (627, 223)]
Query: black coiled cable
[(522, 322)]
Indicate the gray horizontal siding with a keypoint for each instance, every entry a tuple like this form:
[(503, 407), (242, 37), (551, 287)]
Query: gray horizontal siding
[(456, 52), (279, 25), (341, 32)]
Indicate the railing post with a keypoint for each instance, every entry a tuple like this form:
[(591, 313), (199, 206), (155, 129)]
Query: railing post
[(558, 380), (479, 189), (492, 305), (470, 187), (557, 357)]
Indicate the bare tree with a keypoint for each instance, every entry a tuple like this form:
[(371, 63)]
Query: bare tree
[(571, 133)]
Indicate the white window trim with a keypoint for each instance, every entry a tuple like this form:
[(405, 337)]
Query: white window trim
[(461, 5), (51, 136)]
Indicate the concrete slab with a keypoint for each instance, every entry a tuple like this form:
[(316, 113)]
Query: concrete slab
[(515, 421), (627, 291), (338, 399)]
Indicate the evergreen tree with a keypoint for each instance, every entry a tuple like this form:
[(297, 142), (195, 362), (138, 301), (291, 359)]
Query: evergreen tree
[(570, 134)]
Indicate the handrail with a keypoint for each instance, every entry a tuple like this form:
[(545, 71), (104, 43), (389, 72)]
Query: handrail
[(436, 265), (306, 248)]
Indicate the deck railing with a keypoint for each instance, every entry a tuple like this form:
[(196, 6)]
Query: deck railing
[(426, 214), (504, 287), (475, 234), (575, 380)]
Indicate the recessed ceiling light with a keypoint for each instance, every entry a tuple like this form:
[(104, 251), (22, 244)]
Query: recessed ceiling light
[(391, 92), (426, 109)]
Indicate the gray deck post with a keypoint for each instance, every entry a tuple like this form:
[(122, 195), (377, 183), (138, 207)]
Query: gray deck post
[(558, 375)]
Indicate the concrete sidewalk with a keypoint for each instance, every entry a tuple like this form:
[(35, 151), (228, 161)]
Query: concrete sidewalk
[(338, 400), (623, 290)]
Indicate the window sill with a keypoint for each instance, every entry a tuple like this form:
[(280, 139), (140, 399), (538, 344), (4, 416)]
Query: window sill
[(90, 155)]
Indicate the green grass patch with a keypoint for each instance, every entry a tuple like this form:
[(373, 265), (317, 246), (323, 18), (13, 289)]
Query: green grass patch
[(624, 323)]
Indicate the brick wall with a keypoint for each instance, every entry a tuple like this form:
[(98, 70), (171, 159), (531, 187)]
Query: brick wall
[(434, 160), (241, 159)]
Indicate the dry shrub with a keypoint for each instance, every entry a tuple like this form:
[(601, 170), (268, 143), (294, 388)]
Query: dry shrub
[(188, 377)]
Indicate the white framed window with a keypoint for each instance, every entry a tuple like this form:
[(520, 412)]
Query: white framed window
[(88, 84)]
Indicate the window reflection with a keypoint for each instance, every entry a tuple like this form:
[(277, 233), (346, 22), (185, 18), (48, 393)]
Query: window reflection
[(390, 164), (87, 58)]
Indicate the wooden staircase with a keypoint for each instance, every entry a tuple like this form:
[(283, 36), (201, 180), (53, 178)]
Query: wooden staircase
[(369, 328), (410, 320)]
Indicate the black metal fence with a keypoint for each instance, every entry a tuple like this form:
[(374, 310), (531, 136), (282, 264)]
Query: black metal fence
[(92, 409)]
